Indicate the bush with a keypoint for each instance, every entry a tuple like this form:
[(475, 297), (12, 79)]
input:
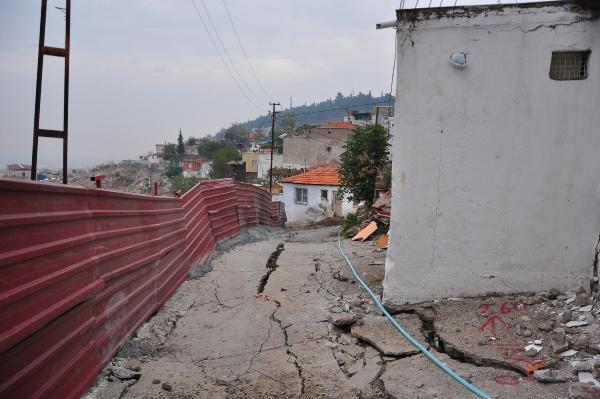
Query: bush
[(183, 183), (174, 171), (352, 220)]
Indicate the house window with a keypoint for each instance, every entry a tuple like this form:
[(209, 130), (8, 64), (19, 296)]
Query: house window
[(328, 149), (569, 65), (301, 195), (324, 195), (254, 162)]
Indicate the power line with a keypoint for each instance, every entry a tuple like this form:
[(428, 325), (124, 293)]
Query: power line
[(244, 51), (222, 58), (227, 53)]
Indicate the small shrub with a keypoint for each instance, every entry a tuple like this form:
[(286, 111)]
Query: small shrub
[(352, 220)]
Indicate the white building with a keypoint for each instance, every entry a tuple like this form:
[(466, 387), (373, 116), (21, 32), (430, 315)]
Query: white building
[(312, 196), (19, 170), (496, 173)]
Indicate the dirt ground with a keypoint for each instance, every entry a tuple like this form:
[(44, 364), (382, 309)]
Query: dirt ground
[(277, 314)]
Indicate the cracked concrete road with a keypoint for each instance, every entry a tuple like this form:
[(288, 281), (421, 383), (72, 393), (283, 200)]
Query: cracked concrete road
[(283, 318)]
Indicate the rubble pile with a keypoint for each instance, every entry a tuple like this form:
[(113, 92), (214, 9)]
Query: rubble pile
[(123, 176)]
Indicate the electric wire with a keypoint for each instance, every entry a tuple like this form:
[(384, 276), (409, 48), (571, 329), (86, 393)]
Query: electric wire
[(406, 335), (210, 21), (222, 58), (244, 51)]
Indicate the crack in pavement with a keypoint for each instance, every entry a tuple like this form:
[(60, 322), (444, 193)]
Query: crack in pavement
[(288, 347), (271, 267), (429, 332)]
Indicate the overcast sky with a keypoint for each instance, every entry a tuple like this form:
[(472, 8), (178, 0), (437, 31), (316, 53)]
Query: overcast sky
[(142, 69)]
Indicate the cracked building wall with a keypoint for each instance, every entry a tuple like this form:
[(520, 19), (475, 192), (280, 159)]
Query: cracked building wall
[(496, 170)]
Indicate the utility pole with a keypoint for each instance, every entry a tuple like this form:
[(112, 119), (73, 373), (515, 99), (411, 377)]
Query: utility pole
[(273, 114)]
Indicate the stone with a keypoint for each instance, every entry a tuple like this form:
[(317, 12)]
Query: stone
[(577, 323), (552, 376), (568, 353), (156, 381), (581, 300), (124, 374), (581, 342), (166, 386), (534, 300), (545, 326), (559, 343), (553, 293), (342, 319), (566, 316), (527, 333), (585, 377), (582, 365)]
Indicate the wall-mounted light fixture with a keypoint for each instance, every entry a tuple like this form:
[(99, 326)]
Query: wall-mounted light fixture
[(459, 60)]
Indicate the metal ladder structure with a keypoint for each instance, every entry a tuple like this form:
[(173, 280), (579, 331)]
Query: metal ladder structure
[(54, 52)]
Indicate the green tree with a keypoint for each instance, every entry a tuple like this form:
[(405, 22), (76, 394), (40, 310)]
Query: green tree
[(180, 147), (171, 153), (364, 157), (191, 141), (288, 124), (207, 148), (220, 158), (236, 133)]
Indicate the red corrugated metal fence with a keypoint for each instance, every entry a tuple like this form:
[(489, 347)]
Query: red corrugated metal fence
[(81, 269)]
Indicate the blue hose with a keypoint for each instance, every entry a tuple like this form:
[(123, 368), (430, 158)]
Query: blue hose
[(406, 335)]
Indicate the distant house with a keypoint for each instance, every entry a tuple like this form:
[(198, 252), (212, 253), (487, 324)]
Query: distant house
[(191, 167), (190, 150), (321, 145), (19, 170), (312, 196), (381, 114), (251, 161)]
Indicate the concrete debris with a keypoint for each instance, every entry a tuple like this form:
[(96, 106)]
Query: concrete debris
[(559, 343), (378, 332), (568, 353), (552, 376), (585, 377), (587, 308), (566, 316), (577, 323), (583, 365), (124, 374), (533, 347), (342, 319)]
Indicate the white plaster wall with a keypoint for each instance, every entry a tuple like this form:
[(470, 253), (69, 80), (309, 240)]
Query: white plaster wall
[(311, 211), (264, 164), (496, 166)]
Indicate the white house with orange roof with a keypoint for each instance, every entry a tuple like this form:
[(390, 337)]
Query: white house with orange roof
[(312, 196)]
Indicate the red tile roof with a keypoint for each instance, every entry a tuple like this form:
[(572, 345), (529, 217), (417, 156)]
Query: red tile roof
[(339, 125), (327, 175)]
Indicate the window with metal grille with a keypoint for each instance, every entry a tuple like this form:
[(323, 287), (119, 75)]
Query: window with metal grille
[(569, 65)]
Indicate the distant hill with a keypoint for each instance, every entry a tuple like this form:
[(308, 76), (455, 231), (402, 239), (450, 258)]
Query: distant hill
[(325, 111)]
